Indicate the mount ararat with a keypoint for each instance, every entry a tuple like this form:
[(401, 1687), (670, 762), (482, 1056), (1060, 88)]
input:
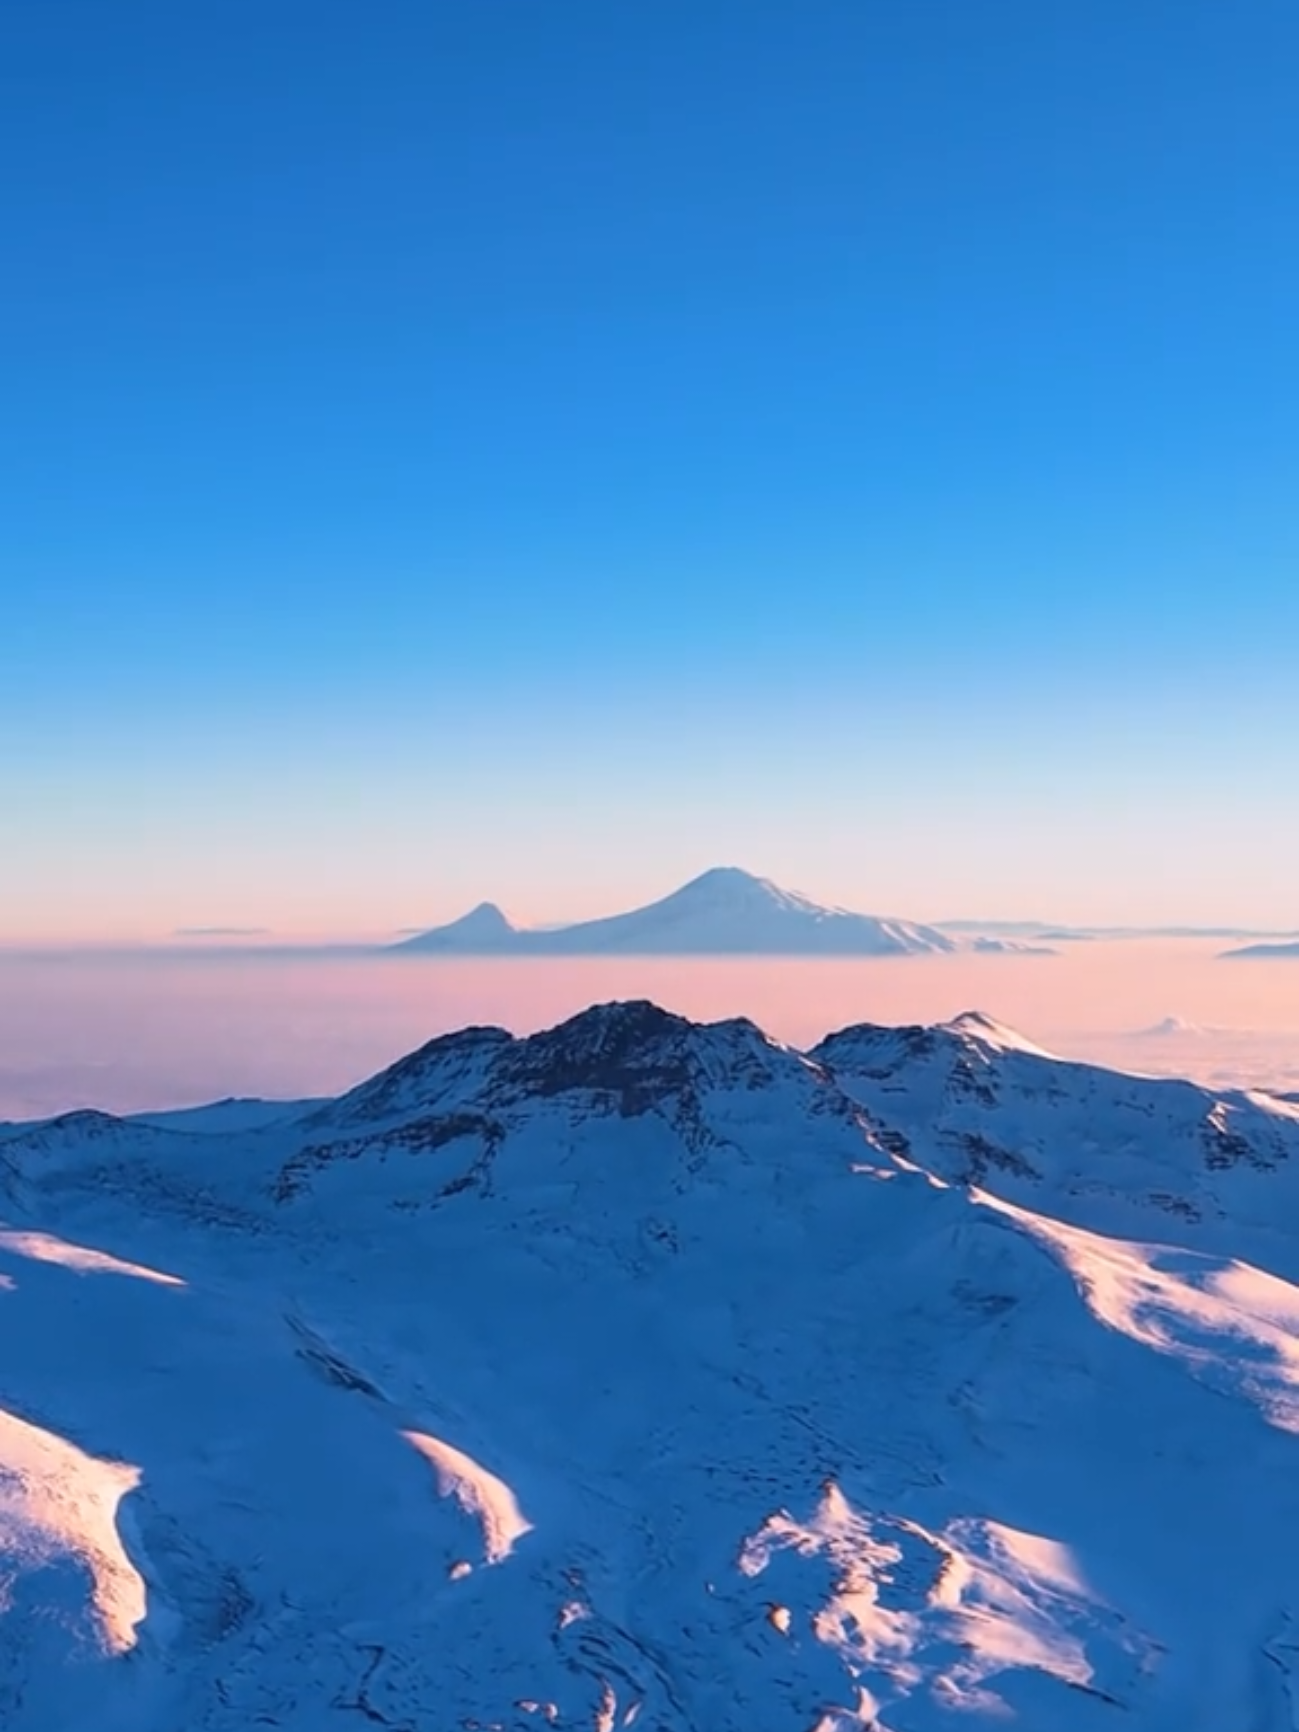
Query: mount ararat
[(723, 912)]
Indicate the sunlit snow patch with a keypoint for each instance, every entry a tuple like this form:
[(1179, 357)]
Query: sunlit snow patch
[(479, 1493), (1234, 1326), (59, 1504), (998, 1036), (943, 1614), (45, 1248)]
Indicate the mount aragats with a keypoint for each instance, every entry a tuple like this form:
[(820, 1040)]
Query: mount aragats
[(722, 912), (648, 1374)]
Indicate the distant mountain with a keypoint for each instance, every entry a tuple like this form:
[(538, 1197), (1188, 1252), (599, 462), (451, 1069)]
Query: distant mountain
[(1041, 933), (481, 932), (644, 1374), (1277, 951), (723, 912), (984, 945), (1170, 1028)]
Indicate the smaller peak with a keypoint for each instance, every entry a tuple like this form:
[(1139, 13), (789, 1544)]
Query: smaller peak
[(484, 928), (476, 1037), (81, 1124), (620, 1024), (486, 917), (978, 1025), (859, 1039), (1169, 1026), (740, 1028), (83, 1119), (422, 1077)]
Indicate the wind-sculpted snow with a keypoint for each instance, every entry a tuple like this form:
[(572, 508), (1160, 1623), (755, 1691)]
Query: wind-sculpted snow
[(57, 1520), (913, 1613), (488, 1499), (648, 1374), (1232, 1324), (45, 1248)]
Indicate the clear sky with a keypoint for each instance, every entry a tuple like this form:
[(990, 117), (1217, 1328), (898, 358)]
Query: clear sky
[(538, 451)]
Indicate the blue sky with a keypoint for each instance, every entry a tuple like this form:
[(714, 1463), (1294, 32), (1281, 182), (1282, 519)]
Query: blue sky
[(541, 451)]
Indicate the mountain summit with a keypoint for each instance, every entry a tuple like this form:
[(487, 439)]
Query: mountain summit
[(723, 912)]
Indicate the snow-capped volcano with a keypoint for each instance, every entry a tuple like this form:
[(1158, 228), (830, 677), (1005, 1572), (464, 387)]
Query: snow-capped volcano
[(724, 911), (643, 1373), (483, 931)]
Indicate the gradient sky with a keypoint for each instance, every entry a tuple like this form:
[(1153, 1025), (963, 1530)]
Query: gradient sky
[(495, 449)]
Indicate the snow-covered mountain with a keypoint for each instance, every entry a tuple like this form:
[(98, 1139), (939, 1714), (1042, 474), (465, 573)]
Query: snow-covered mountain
[(650, 1374), (722, 912)]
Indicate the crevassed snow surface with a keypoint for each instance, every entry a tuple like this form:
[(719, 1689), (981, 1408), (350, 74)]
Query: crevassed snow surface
[(644, 1373)]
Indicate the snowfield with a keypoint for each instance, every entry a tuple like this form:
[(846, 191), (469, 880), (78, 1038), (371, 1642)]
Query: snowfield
[(651, 1374)]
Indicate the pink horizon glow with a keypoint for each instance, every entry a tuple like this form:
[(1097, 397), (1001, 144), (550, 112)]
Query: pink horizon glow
[(132, 1033)]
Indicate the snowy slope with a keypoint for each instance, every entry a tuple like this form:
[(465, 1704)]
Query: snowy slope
[(1149, 1157), (221, 1117), (643, 1373), (722, 912)]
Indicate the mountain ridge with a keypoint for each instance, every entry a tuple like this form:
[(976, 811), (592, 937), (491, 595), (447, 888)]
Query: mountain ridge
[(648, 1370)]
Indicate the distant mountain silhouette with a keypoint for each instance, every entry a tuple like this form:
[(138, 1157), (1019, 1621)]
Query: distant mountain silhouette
[(723, 912)]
